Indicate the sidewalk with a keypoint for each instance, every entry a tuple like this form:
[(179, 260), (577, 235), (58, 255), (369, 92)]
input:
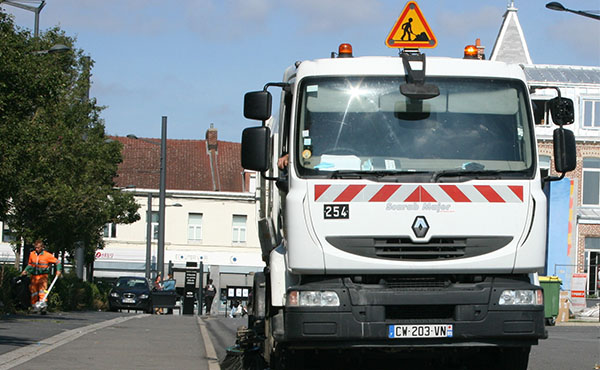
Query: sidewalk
[(125, 342)]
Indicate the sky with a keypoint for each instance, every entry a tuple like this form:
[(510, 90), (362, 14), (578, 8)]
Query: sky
[(193, 60)]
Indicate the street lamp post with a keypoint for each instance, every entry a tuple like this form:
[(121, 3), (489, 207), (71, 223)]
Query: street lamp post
[(559, 7), (160, 255), (58, 48), (35, 9), (148, 235)]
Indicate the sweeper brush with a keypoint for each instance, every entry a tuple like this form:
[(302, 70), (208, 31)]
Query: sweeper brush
[(245, 355)]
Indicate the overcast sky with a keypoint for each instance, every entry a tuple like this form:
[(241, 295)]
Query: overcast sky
[(193, 60)]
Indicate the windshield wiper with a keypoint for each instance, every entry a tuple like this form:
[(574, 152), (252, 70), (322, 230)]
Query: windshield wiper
[(475, 174), (359, 174)]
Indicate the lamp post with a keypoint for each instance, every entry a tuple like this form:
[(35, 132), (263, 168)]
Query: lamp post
[(559, 7), (148, 236), (149, 233), (160, 255), (58, 48), (35, 9)]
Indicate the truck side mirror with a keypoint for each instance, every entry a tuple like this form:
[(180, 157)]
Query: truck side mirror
[(562, 111), (256, 148), (257, 105), (565, 153)]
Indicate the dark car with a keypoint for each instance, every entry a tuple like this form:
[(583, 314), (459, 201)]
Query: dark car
[(130, 293)]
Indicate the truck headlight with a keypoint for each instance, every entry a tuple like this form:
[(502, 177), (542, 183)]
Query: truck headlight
[(114, 295), (312, 298), (520, 297)]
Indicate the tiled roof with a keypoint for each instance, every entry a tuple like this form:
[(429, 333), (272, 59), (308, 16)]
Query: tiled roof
[(188, 165), (564, 74)]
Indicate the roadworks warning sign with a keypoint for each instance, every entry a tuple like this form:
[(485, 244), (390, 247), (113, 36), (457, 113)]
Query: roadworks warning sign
[(411, 30)]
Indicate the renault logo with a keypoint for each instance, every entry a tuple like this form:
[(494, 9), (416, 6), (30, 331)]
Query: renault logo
[(420, 226)]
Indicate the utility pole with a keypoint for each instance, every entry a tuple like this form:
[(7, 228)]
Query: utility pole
[(148, 236), (160, 255)]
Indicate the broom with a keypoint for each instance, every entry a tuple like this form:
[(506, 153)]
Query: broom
[(245, 354), (42, 305)]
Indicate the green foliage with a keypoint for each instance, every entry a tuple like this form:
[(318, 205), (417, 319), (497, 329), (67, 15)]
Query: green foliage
[(7, 273), (73, 294), (69, 293), (57, 168)]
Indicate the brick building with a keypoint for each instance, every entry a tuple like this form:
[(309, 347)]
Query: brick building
[(582, 85), (210, 213)]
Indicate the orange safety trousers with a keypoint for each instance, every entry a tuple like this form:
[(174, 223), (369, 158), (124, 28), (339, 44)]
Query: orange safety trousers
[(38, 287)]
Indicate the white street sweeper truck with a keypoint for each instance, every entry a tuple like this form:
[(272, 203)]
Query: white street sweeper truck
[(408, 214)]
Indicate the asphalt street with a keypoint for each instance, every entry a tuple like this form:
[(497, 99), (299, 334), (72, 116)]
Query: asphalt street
[(22, 330), (106, 340)]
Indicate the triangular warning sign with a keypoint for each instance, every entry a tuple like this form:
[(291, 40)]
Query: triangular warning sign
[(411, 30)]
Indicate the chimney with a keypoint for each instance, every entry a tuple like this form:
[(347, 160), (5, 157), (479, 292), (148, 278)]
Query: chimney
[(211, 150), (211, 137), (480, 50)]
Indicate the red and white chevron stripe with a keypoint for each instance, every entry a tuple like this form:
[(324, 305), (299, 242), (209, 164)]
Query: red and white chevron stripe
[(409, 193)]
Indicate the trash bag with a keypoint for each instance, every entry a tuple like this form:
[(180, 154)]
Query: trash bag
[(20, 291)]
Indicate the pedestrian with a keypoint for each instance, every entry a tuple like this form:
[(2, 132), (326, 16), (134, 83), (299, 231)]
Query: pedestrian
[(158, 282), (39, 268), (158, 286), (235, 304), (209, 294), (169, 286)]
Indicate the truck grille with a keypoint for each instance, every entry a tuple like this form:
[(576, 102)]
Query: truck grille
[(419, 312), (439, 248), (403, 248)]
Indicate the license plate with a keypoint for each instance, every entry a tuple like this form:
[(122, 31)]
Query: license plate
[(420, 331), (128, 300)]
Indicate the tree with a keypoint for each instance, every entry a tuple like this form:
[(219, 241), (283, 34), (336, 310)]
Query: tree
[(57, 165)]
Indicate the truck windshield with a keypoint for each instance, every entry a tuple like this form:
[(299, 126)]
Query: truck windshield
[(365, 126)]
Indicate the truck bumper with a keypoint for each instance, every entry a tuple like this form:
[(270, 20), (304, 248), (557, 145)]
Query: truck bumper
[(367, 313)]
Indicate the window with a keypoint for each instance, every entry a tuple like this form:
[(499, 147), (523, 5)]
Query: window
[(591, 181), (7, 234), (154, 225), (592, 263), (591, 113), (540, 110), (239, 228), (195, 226), (545, 161), (110, 230)]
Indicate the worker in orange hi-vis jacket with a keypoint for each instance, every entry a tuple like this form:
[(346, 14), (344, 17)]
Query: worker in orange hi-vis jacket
[(39, 268)]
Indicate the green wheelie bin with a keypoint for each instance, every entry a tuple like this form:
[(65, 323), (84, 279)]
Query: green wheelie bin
[(551, 286)]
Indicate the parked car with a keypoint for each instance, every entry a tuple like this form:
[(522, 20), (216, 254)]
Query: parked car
[(131, 293)]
